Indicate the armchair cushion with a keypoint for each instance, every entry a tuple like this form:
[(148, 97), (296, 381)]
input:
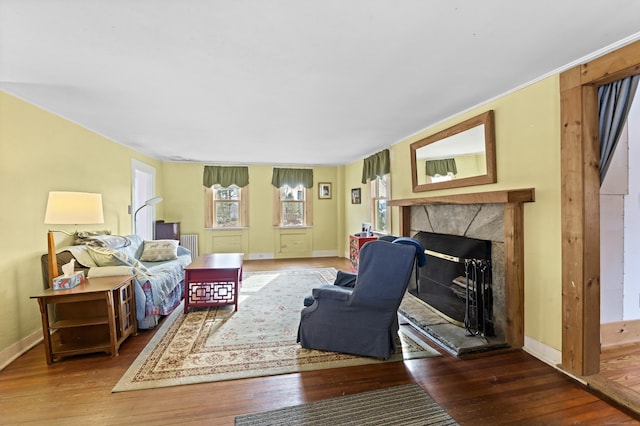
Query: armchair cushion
[(331, 292)]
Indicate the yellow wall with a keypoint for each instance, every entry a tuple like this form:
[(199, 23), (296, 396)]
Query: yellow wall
[(471, 165), (355, 214), (527, 125), (41, 152), (184, 202)]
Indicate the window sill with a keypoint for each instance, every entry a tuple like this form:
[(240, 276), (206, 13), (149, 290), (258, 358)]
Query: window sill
[(231, 228), (293, 227)]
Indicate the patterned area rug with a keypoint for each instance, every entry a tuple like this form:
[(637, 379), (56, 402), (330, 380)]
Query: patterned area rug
[(403, 405), (214, 344)]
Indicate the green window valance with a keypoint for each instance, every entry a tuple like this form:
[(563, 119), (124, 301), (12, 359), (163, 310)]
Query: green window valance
[(441, 167), (225, 176), (375, 165), (292, 177)]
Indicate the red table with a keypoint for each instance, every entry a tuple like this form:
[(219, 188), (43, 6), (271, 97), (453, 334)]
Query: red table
[(213, 280)]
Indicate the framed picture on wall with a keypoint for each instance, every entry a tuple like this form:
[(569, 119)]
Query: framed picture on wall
[(324, 190), (355, 196)]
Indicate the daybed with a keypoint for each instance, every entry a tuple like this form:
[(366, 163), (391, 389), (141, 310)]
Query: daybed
[(158, 267)]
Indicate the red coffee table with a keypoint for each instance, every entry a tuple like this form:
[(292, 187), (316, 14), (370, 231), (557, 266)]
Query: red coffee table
[(213, 280)]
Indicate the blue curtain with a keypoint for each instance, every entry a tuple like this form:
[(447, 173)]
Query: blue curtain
[(614, 101)]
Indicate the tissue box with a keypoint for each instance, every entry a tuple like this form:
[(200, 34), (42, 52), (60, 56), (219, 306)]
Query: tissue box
[(64, 283)]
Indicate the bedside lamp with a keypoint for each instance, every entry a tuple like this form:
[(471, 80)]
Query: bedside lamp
[(150, 202), (69, 208)]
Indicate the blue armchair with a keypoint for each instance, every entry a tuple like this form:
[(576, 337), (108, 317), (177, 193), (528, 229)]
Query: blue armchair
[(362, 320)]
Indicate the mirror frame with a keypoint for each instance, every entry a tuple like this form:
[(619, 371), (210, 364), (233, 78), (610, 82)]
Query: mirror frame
[(490, 151)]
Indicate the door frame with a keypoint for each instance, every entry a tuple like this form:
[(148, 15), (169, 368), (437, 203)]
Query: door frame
[(580, 156), (141, 193)]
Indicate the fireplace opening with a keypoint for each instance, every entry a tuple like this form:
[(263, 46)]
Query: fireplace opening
[(456, 281)]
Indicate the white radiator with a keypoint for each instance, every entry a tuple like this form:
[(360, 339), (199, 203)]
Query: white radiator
[(190, 241)]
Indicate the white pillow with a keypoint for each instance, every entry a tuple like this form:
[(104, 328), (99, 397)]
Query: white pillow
[(109, 271), (104, 256), (159, 250)]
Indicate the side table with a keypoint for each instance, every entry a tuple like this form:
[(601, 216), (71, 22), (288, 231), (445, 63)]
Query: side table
[(355, 244), (213, 280), (96, 316)]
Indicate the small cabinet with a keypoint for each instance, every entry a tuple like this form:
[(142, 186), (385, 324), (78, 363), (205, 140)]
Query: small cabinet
[(167, 230), (96, 316), (355, 244)]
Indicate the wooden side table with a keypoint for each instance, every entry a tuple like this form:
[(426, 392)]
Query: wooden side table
[(213, 280), (355, 244), (96, 316)]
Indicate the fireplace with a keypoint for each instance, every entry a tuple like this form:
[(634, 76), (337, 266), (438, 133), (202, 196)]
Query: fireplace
[(495, 216), (457, 280)]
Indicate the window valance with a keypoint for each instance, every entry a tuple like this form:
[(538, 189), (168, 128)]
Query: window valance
[(375, 165), (225, 176), (292, 177), (441, 167)]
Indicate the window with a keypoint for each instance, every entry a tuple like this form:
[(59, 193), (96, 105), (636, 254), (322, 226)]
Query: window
[(380, 218), (293, 206), (441, 178), (225, 207)]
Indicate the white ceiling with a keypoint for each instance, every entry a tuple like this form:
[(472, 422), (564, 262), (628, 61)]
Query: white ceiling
[(295, 82)]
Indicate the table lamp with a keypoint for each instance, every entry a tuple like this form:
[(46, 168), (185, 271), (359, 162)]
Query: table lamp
[(69, 208)]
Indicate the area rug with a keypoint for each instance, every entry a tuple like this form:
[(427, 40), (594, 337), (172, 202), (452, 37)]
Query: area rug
[(404, 405), (215, 344)]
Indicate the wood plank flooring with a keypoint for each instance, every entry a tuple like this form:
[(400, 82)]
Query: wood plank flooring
[(501, 387), (619, 376)]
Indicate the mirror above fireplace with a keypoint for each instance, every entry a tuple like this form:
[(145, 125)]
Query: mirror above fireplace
[(462, 155)]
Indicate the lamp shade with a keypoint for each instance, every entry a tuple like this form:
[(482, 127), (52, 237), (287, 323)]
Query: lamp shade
[(153, 201), (74, 208)]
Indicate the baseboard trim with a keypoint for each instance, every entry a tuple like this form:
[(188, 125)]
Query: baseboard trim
[(548, 355), (19, 348), (544, 353), (619, 333), (260, 256), (325, 253)]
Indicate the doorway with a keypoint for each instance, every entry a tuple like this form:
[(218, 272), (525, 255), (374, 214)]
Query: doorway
[(580, 215), (619, 227), (143, 188)]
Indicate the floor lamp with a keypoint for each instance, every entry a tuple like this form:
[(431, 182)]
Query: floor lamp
[(150, 202), (69, 208)]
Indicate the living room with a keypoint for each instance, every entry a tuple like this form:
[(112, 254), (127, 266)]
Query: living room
[(180, 184), (41, 151)]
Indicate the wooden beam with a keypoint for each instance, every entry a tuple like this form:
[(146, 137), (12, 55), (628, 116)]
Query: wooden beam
[(572, 218), (514, 273), (580, 204), (506, 196), (613, 66)]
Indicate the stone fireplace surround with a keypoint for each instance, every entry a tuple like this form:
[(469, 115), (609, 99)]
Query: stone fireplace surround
[(497, 216)]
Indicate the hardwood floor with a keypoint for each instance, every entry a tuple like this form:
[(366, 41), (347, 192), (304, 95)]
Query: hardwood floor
[(501, 387), (619, 376)]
